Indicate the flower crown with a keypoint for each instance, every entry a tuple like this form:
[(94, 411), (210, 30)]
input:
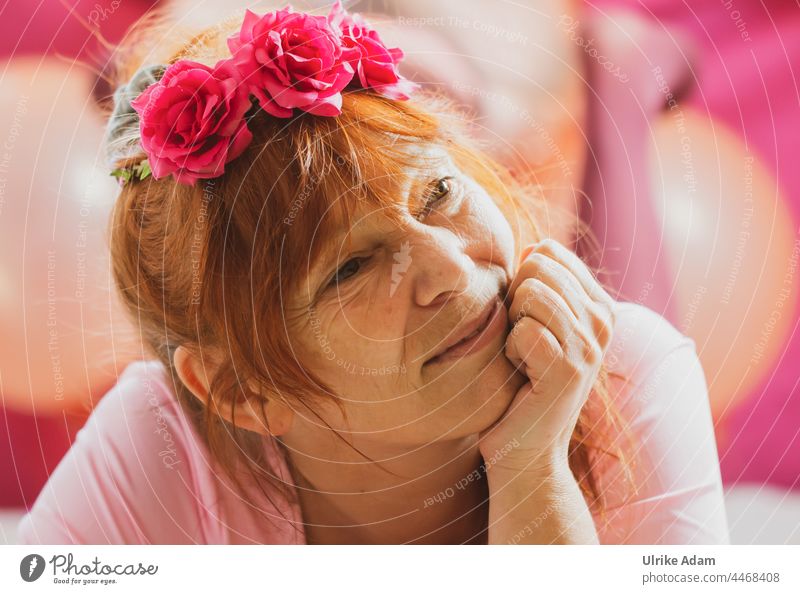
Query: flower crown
[(193, 120)]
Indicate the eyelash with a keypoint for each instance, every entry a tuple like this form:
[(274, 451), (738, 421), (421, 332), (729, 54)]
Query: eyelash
[(425, 210), (333, 282), (431, 189)]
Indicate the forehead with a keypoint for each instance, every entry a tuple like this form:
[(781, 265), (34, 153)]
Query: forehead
[(396, 184), (406, 163)]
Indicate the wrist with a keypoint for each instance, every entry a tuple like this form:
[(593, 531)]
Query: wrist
[(538, 507), (543, 465), (506, 483)]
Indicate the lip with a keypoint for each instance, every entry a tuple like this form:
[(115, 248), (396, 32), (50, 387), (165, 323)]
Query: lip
[(485, 327)]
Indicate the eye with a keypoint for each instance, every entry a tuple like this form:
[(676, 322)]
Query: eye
[(348, 269), (436, 192)]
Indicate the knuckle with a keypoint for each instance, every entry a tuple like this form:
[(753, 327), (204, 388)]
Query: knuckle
[(594, 355), (586, 345), (605, 335), (523, 329), (550, 245), (540, 267), (572, 365), (528, 339), (517, 330), (524, 297), (537, 266), (529, 285), (585, 350), (603, 322), (527, 266), (541, 259), (548, 349), (522, 348)]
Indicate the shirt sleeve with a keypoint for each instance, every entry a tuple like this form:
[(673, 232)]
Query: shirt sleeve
[(127, 479), (676, 471)]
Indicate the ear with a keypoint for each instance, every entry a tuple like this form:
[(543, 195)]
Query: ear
[(268, 417)]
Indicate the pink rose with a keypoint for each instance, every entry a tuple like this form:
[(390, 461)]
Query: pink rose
[(191, 122), (292, 59), (375, 64)]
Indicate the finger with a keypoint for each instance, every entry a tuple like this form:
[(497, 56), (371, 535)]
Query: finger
[(538, 260), (572, 262), (535, 299), (558, 278), (532, 347), (526, 252), (596, 318)]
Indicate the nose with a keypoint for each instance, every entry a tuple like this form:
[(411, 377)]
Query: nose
[(441, 267)]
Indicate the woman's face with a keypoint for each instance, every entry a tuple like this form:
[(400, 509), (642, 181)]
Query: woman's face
[(375, 314)]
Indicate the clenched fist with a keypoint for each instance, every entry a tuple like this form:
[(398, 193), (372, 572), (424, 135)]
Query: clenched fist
[(562, 325)]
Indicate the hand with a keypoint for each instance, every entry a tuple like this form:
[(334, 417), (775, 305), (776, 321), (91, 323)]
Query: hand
[(563, 322)]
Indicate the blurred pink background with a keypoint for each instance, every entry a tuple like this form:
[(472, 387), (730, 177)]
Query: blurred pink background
[(732, 68)]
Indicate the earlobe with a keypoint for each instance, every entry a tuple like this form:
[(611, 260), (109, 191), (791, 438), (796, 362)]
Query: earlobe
[(274, 417), (280, 416)]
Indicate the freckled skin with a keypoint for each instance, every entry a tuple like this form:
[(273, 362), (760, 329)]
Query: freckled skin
[(368, 340)]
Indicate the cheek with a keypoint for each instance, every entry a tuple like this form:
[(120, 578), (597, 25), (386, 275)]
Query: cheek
[(491, 232), (357, 342)]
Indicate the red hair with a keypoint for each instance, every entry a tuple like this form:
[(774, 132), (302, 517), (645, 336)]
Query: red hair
[(208, 266)]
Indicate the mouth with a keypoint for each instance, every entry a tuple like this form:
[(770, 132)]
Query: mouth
[(473, 335)]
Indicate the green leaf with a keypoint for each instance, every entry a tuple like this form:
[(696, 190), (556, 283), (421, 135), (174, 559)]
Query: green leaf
[(122, 174), (144, 169), (138, 171)]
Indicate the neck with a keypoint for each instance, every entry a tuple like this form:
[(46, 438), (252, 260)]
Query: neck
[(426, 495)]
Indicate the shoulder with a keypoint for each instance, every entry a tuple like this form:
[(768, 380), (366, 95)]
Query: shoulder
[(136, 472), (642, 338), (142, 410), (141, 387), (653, 370), (667, 434), (141, 422)]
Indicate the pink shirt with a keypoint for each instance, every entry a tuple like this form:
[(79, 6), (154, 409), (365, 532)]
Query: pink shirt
[(138, 473)]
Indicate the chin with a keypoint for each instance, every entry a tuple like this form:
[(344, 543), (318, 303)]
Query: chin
[(489, 395)]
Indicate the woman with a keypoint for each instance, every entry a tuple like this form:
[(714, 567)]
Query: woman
[(348, 345)]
